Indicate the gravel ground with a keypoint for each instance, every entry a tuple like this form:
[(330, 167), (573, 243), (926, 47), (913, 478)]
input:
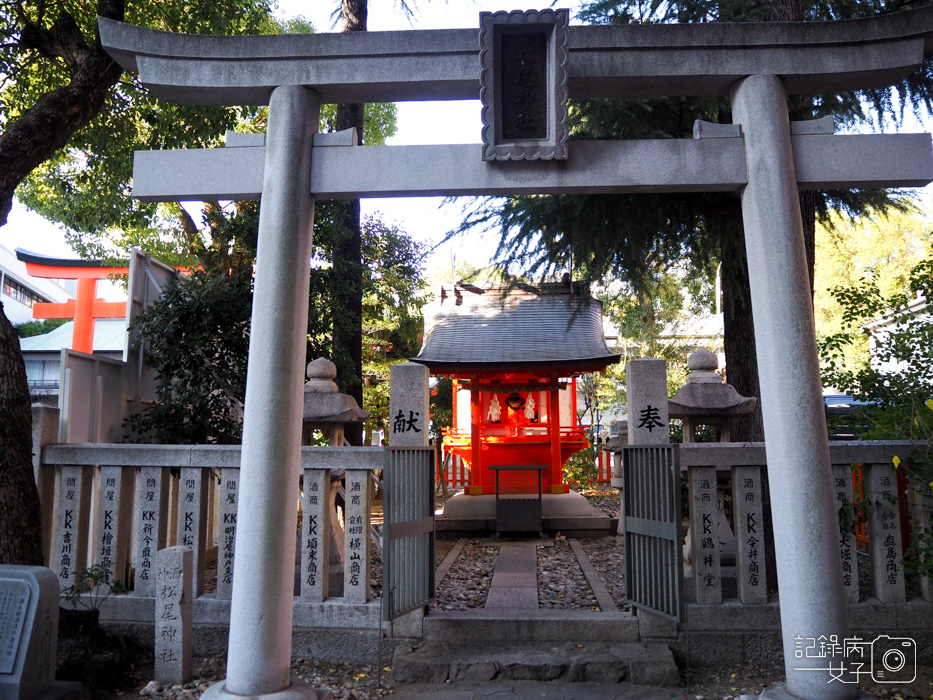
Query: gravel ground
[(561, 583), (604, 499), (466, 584), (607, 556)]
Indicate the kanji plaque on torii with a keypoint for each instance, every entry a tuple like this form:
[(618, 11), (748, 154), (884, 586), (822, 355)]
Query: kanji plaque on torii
[(762, 156)]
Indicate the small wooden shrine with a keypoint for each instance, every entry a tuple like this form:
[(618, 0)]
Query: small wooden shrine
[(514, 355)]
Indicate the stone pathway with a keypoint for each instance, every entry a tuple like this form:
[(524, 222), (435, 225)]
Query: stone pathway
[(524, 575), (515, 578)]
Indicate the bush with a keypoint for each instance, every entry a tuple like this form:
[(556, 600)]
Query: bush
[(580, 472)]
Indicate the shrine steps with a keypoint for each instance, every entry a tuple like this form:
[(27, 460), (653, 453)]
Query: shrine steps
[(608, 663), (478, 627)]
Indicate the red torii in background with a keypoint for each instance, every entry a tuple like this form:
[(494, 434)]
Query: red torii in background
[(86, 307)]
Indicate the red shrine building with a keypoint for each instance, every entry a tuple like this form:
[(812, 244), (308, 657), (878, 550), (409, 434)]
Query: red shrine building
[(513, 356)]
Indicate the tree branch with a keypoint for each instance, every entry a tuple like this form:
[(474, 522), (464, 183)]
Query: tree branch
[(49, 124)]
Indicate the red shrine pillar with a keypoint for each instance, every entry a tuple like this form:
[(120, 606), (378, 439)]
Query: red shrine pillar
[(82, 337), (476, 427), (553, 413)]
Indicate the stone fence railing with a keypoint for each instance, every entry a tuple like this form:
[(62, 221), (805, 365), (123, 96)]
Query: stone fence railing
[(117, 505), (722, 472)]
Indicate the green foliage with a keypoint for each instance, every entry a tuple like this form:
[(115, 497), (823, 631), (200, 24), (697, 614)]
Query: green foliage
[(198, 332), (901, 376), (31, 328), (87, 186), (393, 293), (91, 587), (442, 408), (198, 342), (651, 244), (580, 472)]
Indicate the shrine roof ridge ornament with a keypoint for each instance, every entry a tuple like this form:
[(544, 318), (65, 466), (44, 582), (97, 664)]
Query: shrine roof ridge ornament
[(604, 61)]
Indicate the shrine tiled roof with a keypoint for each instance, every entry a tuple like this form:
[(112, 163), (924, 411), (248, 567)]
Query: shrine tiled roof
[(531, 327)]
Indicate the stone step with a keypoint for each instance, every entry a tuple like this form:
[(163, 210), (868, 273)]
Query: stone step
[(530, 626), (568, 662), (535, 690)]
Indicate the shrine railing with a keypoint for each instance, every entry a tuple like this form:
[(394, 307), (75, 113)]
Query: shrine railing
[(116, 505), (452, 469), (727, 477), (526, 431)]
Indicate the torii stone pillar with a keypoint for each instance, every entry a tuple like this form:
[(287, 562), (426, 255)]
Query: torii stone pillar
[(260, 643), (797, 447)]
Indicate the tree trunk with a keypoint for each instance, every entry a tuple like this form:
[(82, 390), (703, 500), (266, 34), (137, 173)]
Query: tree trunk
[(347, 289), (20, 525), (739, 329), (25, 143)]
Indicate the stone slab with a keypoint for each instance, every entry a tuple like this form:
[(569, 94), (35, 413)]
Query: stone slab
[(521, 564), (72, 511), (553, 505), (867, 160), (229, 497), (449, 560), (842, 489), (534, 690), (568, 661), (356, 578), (603, 597), (884, 533), (507, 626), (219, 456), (646, 380), (512, 598), (502, 579), (151, 512), (173, 618), (751, 576), (315, 536), (408, 402), (29, 598)]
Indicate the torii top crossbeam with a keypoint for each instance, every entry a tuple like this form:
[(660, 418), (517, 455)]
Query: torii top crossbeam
[(604, 61), (643, 60)]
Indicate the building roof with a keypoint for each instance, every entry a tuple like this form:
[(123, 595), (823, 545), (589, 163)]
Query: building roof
[(109, 336), (530, 327)]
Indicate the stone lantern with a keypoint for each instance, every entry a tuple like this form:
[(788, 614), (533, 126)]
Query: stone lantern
[(705, 400), (326, 409)]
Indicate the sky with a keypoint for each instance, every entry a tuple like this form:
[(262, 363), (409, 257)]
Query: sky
[(418, 123)]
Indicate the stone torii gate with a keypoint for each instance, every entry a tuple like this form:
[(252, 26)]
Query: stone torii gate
[(525, 150)]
